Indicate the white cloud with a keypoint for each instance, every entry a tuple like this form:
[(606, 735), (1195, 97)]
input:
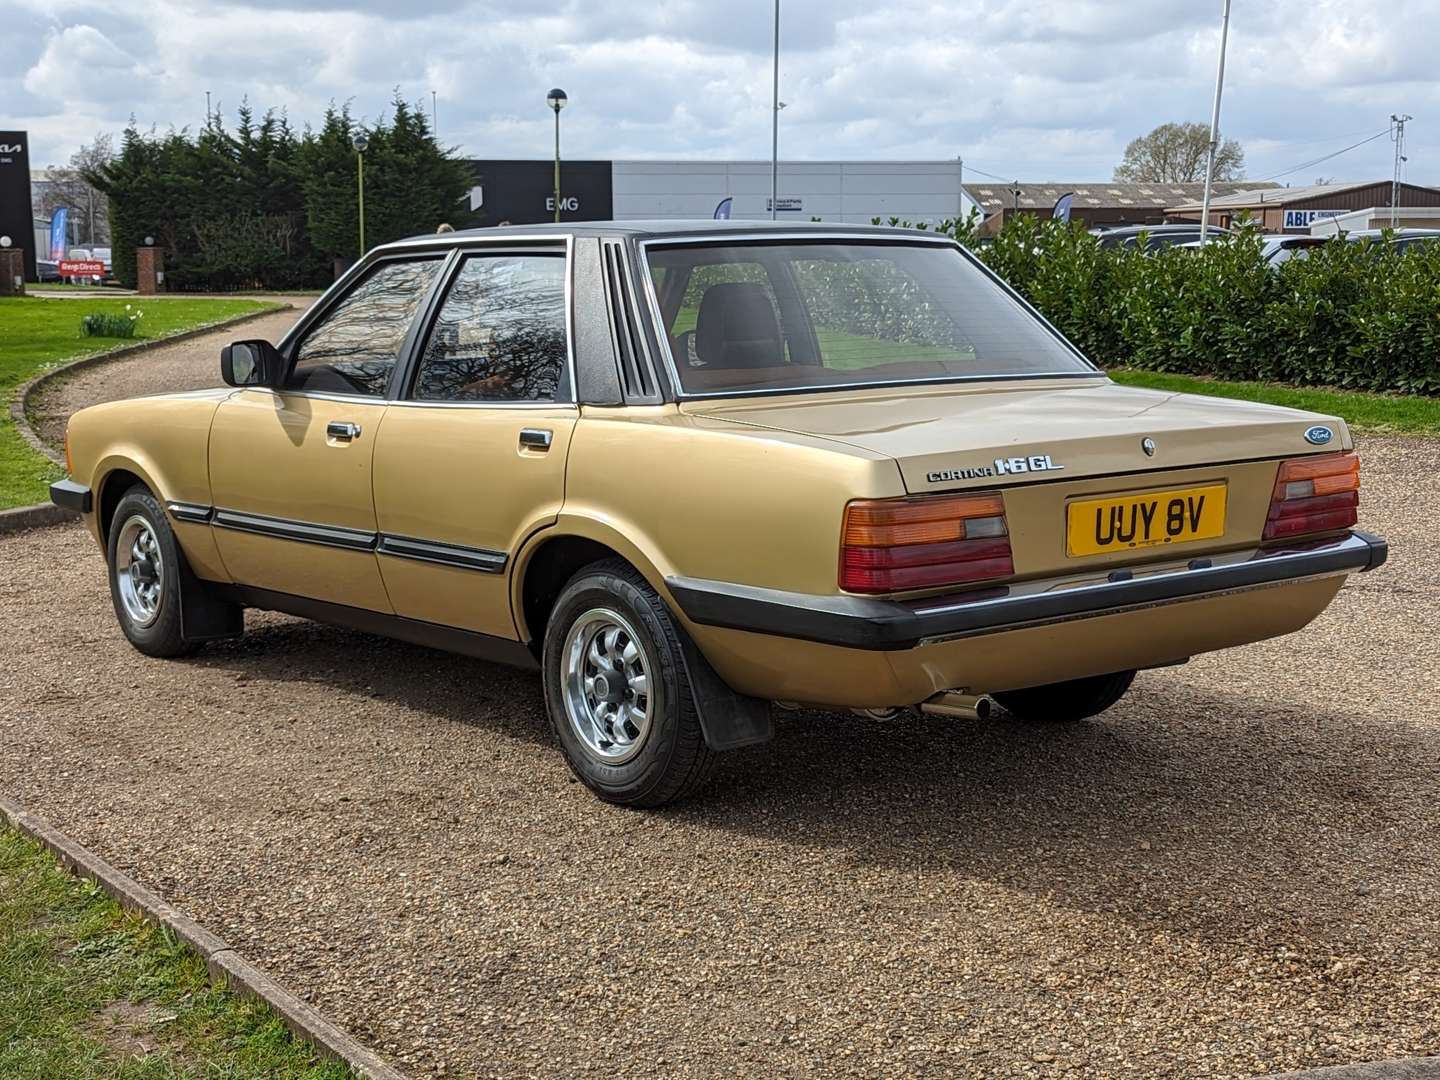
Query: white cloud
[(1051, 89)]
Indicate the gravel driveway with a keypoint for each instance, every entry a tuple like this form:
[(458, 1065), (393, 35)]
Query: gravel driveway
[(1236, 870), (186, 365)]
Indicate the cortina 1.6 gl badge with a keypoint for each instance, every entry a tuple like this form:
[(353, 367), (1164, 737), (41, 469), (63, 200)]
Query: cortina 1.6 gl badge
[(1319, 435), (1002, 467)]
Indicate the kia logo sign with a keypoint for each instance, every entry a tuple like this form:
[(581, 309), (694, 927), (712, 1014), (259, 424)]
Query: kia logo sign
[(12, 148)]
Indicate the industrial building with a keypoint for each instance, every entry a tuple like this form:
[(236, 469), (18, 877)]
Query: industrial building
[(1297, 209), (1102, 203)]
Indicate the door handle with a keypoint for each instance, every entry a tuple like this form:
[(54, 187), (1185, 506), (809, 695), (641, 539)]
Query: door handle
[(535, 438), (343, 430)]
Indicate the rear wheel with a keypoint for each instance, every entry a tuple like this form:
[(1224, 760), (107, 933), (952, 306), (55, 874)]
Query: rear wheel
[(1066, 702), (617, 692)]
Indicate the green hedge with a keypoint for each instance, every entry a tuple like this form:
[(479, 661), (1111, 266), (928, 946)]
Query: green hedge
[(1354, 315)]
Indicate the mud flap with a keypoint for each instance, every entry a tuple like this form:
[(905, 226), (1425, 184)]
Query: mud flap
[(205, 616), (727, 719)]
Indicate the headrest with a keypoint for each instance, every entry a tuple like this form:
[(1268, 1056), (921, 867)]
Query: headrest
[(737, 328)]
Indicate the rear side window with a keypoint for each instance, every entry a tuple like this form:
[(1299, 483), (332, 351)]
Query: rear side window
[(500, 334), (354, 347)]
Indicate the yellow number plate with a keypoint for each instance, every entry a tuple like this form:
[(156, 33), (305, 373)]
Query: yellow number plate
[(1097, 526)]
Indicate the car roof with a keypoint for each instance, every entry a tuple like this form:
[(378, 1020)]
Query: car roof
[(1122, 230), (1398, 234), (662, 229)]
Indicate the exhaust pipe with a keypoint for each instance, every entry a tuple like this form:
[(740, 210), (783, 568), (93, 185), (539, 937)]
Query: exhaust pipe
[(959, 705)]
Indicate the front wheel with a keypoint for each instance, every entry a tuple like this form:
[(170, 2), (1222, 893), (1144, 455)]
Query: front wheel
[(617, 691), (146, 576), (1066, 702)]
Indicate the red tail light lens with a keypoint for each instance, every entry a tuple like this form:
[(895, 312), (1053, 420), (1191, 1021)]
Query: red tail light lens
[(1314, 495), (890, 545)]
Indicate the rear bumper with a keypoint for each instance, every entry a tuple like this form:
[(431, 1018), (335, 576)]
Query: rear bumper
[(72, 496), (865, 623)]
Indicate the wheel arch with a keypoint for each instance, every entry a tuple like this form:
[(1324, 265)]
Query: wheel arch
[(727, 718), (114, 477), (553, 555)]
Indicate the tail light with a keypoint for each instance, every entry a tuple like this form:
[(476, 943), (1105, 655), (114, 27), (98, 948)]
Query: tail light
[(69, 468), (1314, 495), (890, 545)]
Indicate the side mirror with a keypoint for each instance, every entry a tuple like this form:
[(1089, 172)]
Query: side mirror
[(251, 363)]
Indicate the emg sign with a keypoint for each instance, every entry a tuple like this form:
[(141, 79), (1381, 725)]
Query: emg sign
[(568, 203), (1303, 219)]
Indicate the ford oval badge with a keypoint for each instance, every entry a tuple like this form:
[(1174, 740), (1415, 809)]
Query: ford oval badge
[(1319, 436)]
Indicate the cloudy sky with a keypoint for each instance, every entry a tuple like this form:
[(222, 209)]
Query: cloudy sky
[(1047, 89)]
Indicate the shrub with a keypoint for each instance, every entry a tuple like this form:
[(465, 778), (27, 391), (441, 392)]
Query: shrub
[(1354, 315)]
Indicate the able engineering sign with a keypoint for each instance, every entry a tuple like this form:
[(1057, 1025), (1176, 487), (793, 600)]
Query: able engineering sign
[(1303, 219)]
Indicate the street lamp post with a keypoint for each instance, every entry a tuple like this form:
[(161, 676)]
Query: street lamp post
[(361, 142), (1214, 127), (557, 100)]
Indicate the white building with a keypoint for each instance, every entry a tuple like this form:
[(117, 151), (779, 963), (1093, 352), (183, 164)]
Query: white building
[(839, 191)]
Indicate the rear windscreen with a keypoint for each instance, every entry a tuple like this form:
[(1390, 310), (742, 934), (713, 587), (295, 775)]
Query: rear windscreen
[(807, 314)]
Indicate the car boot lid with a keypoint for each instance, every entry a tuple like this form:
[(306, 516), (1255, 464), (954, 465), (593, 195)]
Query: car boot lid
[(969, 437)]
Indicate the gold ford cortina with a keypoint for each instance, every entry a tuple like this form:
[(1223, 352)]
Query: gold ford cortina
[(690, 471)]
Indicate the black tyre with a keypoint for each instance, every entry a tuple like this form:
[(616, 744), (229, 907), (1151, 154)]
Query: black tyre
[(617, 691), (1066, 702), (146, 572)]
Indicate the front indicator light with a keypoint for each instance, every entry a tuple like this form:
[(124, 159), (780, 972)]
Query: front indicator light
[(892, 545), (1317, 494)]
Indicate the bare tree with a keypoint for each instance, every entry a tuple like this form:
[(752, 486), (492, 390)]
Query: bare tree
[(67, 186), (1175, 154)]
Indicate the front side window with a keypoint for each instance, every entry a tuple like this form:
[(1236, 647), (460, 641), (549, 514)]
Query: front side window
[(775, 316), (500, 335), (353, 349)]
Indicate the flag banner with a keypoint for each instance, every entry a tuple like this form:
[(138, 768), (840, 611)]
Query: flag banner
[(1062, 206), (722, 212), (59, 233)]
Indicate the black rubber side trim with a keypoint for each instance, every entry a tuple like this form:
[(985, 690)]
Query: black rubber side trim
[(72, 496), (466, 558), (195, 513), (417, 632), (302, 531), (864, 623)]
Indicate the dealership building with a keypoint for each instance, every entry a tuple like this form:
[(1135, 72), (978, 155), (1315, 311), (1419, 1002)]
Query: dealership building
[(522, 192)]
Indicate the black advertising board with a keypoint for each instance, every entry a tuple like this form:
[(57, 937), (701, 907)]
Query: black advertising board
[(17, 220), (522, 192)]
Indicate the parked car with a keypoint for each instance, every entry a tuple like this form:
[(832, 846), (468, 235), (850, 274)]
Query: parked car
[(1356, 236), (1408, 243), (1154, 237), (1278, 248), (691, 469)]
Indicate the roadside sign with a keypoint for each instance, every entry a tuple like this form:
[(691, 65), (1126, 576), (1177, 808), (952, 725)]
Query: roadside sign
[(82, 268), (782, 205)]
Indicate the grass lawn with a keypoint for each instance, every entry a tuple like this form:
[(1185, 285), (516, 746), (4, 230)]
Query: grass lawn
[(1363, 411), (36, 333), (88, 990)]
